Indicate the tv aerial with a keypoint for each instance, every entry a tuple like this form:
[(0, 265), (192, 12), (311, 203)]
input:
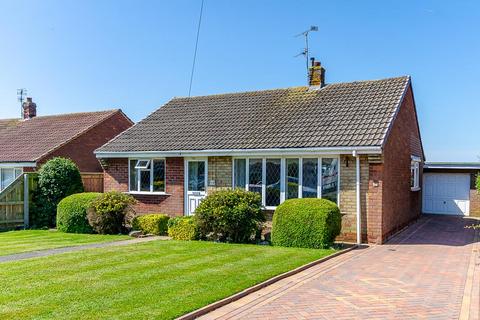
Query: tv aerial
[(305, 51)]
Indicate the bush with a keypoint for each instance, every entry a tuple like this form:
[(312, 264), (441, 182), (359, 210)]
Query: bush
[(306, 223), (111, 213), (230, 216), (57, 179), (182, 228), (478, 182), (72, 212), (151, 224)]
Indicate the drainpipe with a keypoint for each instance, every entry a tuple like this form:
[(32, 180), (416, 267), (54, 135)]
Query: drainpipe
[(357, 184)]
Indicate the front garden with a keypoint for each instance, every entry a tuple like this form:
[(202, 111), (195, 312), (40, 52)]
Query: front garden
[(154, 280), (157, 279)]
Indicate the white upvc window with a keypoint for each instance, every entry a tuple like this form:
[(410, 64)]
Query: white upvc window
[(415, 173), (147, 176), (279, 178), (8, 175)]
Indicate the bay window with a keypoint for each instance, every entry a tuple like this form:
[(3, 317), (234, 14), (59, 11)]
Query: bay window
[(147, 175), (277, 179)]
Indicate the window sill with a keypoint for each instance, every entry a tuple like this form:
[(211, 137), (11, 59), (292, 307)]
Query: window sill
[(148, 193), (416, 189), (270, 208)]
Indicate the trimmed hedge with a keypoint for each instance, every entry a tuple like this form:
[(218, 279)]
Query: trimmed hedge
[(155, 223), (182, 228), (111, 213), (72, 212), (231, 215), (306, 223)]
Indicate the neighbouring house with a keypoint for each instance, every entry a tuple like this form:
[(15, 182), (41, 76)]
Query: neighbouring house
[(27, 143), (449, 188), (357, 144)]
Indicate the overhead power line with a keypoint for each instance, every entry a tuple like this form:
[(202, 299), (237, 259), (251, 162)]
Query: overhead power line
[(196, 47)]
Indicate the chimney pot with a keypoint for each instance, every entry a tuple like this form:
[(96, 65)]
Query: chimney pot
[(29, 109)]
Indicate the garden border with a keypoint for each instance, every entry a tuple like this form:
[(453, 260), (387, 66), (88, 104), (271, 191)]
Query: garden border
[(237, 296)]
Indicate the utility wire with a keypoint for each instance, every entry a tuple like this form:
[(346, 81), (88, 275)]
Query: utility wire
[(195, 52)]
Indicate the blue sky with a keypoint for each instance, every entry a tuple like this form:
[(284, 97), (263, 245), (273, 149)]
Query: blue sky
[(93, 55)]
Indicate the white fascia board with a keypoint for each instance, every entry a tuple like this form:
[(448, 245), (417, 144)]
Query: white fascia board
[(241, 152), (453, 167), (18, 164)]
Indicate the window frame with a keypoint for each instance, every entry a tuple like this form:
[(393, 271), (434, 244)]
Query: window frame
[(283, 174), (151, 162), (15, 176), (415, 171)]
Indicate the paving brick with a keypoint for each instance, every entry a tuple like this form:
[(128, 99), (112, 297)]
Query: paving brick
[(429, 271)]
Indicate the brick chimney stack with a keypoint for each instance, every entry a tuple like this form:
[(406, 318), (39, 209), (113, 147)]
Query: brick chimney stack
[(29, 109), (316, 74)]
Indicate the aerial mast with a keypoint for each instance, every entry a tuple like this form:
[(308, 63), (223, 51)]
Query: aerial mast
[(21, 95), (305, 51)]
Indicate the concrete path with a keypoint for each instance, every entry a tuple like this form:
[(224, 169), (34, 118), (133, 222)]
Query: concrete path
[(49, 252), (430, 271)]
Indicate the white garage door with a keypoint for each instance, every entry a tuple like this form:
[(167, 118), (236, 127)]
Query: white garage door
[(446, 193)]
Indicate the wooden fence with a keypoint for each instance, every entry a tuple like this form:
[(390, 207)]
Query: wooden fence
[(92, 182), (15, 201)]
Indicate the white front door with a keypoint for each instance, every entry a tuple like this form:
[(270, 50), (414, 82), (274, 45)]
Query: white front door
[(446, 193), (196, 184)]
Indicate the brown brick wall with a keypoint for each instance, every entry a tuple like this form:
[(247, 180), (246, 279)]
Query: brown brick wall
[(80, 150), (219, 172), (400, 204), (116, 178), (474, 203)]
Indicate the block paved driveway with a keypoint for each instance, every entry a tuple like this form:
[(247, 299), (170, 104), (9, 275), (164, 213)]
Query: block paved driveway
[(429, 271)]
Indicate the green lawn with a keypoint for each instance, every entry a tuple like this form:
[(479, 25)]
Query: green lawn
[(154, 280), (29, 240)]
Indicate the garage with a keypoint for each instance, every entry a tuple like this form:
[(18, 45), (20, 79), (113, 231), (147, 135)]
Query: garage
[(448, 188)]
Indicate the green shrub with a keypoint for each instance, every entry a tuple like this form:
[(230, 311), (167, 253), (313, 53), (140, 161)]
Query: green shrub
[(230, 216), (155, 223), (111, 213), (306, 223), (182, 228), (478, 182), (72, 212), (57, 179)]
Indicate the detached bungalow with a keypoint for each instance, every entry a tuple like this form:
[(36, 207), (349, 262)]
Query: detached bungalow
[(357, 144), (27, 143)]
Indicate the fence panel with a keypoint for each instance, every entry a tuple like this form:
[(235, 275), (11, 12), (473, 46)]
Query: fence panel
[(12, 205), (92, 182)]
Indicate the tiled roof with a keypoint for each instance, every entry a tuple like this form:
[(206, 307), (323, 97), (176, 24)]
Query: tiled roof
[(29, 140), (337, 115)]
